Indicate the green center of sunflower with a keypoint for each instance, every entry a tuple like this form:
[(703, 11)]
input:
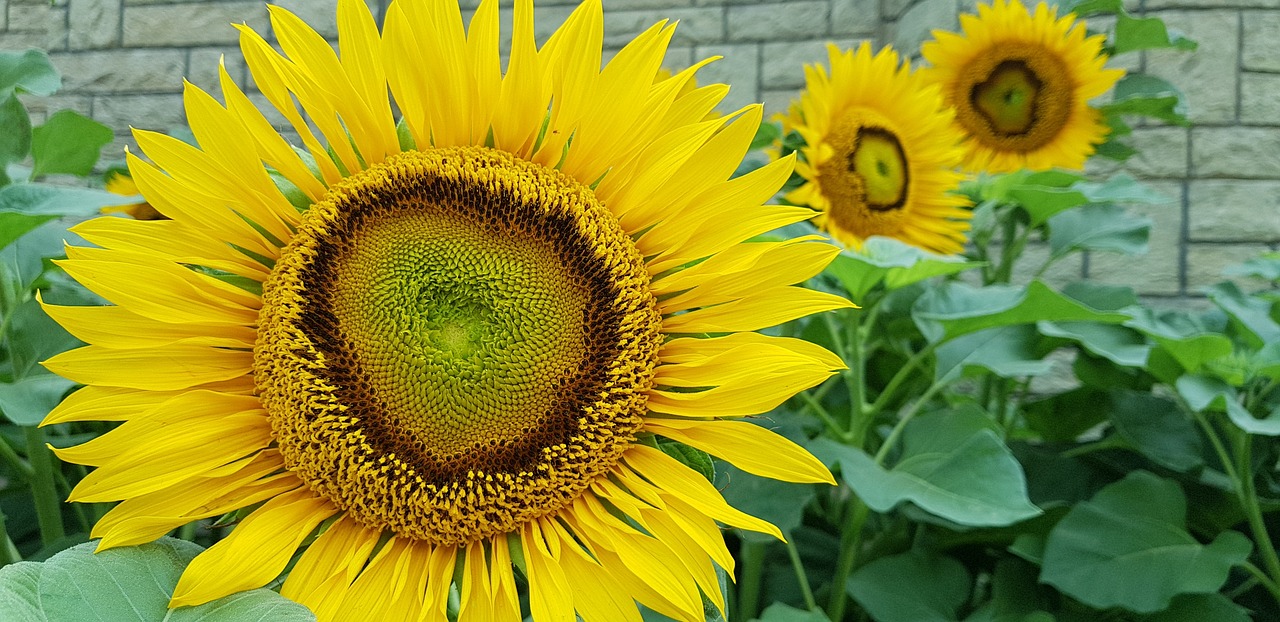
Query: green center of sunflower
[(1016, 96), (867, 178), (455, 342)]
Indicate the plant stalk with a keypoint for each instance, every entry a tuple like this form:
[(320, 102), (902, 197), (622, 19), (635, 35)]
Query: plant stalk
[(850, 543), (752, 577), (801, 576), (48, 503)]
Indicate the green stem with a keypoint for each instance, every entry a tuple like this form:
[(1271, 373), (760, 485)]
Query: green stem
[(907, 371), (1263, 579), (850, 543), (906, 418), (1249, 500), (816, 407), (11, 458), (48, 504), (8, 552), (856, 380), (801, 576), (187, 532), (752, 576)]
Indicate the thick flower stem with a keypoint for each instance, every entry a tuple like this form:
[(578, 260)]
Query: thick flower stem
[(1249, 501), (850, 542), (752, 576), (48, 504), (801, 576)]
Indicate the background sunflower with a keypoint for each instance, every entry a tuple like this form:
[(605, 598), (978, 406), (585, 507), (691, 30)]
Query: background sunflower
[(880, 152), (1020, 85)]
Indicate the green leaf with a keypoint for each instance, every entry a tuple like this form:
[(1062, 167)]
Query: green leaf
[(892, 262), (952, 465), (1128, 547), (27, 401), (1199, 608), (1186, 345), (46, 200), (1120, 345), (1254, 314), (1085, 8), (14, 225), (1266, 267), (1007, 351), (911, 587), (1149, 96), (767, 134), (1120, 188), (33, 337), (1101, 296), (780, 503), (28, 72), (1146, 34), (128, 584), (781, 612), (15, 131), (1042, 202), (1203, 393), (956, 309), (1157, 429), (1102, 227), (68, 142), (1064, 417), (691, 457)]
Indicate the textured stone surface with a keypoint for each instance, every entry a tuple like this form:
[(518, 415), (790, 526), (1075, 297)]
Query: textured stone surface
[(4, 15), (1205, 263), (1208, 76), (854, 17), (1235, 152), (777, 101), (1162, 152), (799, 20), (185, 25), (1261, 41), (122, 71), (1260, 98), (1164, 4), (30, 17), (1156, 272), (161, 112), (696, 25), (739, 69), (202, 67), (93, 24), (916, 25), (783, 63), (1235, 210)]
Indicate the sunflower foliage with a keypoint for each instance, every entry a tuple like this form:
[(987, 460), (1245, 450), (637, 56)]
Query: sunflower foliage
[(1015, 448)]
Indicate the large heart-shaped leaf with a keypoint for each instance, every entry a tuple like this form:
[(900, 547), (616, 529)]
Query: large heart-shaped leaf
[(957, 309), (911, 587), (952, 465), (130, 584), (1128, 547)]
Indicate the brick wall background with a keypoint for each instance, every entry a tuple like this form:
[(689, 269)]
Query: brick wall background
[(123, 62)]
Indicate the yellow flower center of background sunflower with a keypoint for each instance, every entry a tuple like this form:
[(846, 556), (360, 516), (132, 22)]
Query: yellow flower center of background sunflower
[(867, 178), (1015, 97), (457, 341)]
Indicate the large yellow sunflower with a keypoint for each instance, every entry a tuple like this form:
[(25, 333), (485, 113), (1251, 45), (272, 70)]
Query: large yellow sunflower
[(880, 153), (1021, 86), (456, 363)]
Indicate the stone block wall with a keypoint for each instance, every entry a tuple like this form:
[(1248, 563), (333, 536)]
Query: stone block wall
[(124, 61)]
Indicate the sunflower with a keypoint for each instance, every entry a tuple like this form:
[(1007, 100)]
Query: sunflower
[(1021, 86), (118, 182), (880, 153), (458, 359)]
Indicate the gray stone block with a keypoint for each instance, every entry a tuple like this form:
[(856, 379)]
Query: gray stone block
[(202, 67), (783, 63), (122, 71), (1208, 76), (1217, 4), (854, 17), (161, 112), (93, 24), (1260, 98), (321, 15), (1235, 152), (1261, 41), (30, 17), (739, 69), (917, 25), (1205, 263), (1235, 210), (696, 25), (187, 25), (789, 21), (777, 101)]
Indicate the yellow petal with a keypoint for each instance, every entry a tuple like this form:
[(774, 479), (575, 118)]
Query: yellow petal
[(175, 241), (780, 263), (256, 552), (162, 368), (549, 595), (117, 327), (747, 446), (175, 294), (325, 571), (692, 350), (765, 308)]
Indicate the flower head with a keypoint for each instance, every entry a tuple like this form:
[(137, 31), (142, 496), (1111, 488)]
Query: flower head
[(1021, 84), (457, 354), (880, 153)]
